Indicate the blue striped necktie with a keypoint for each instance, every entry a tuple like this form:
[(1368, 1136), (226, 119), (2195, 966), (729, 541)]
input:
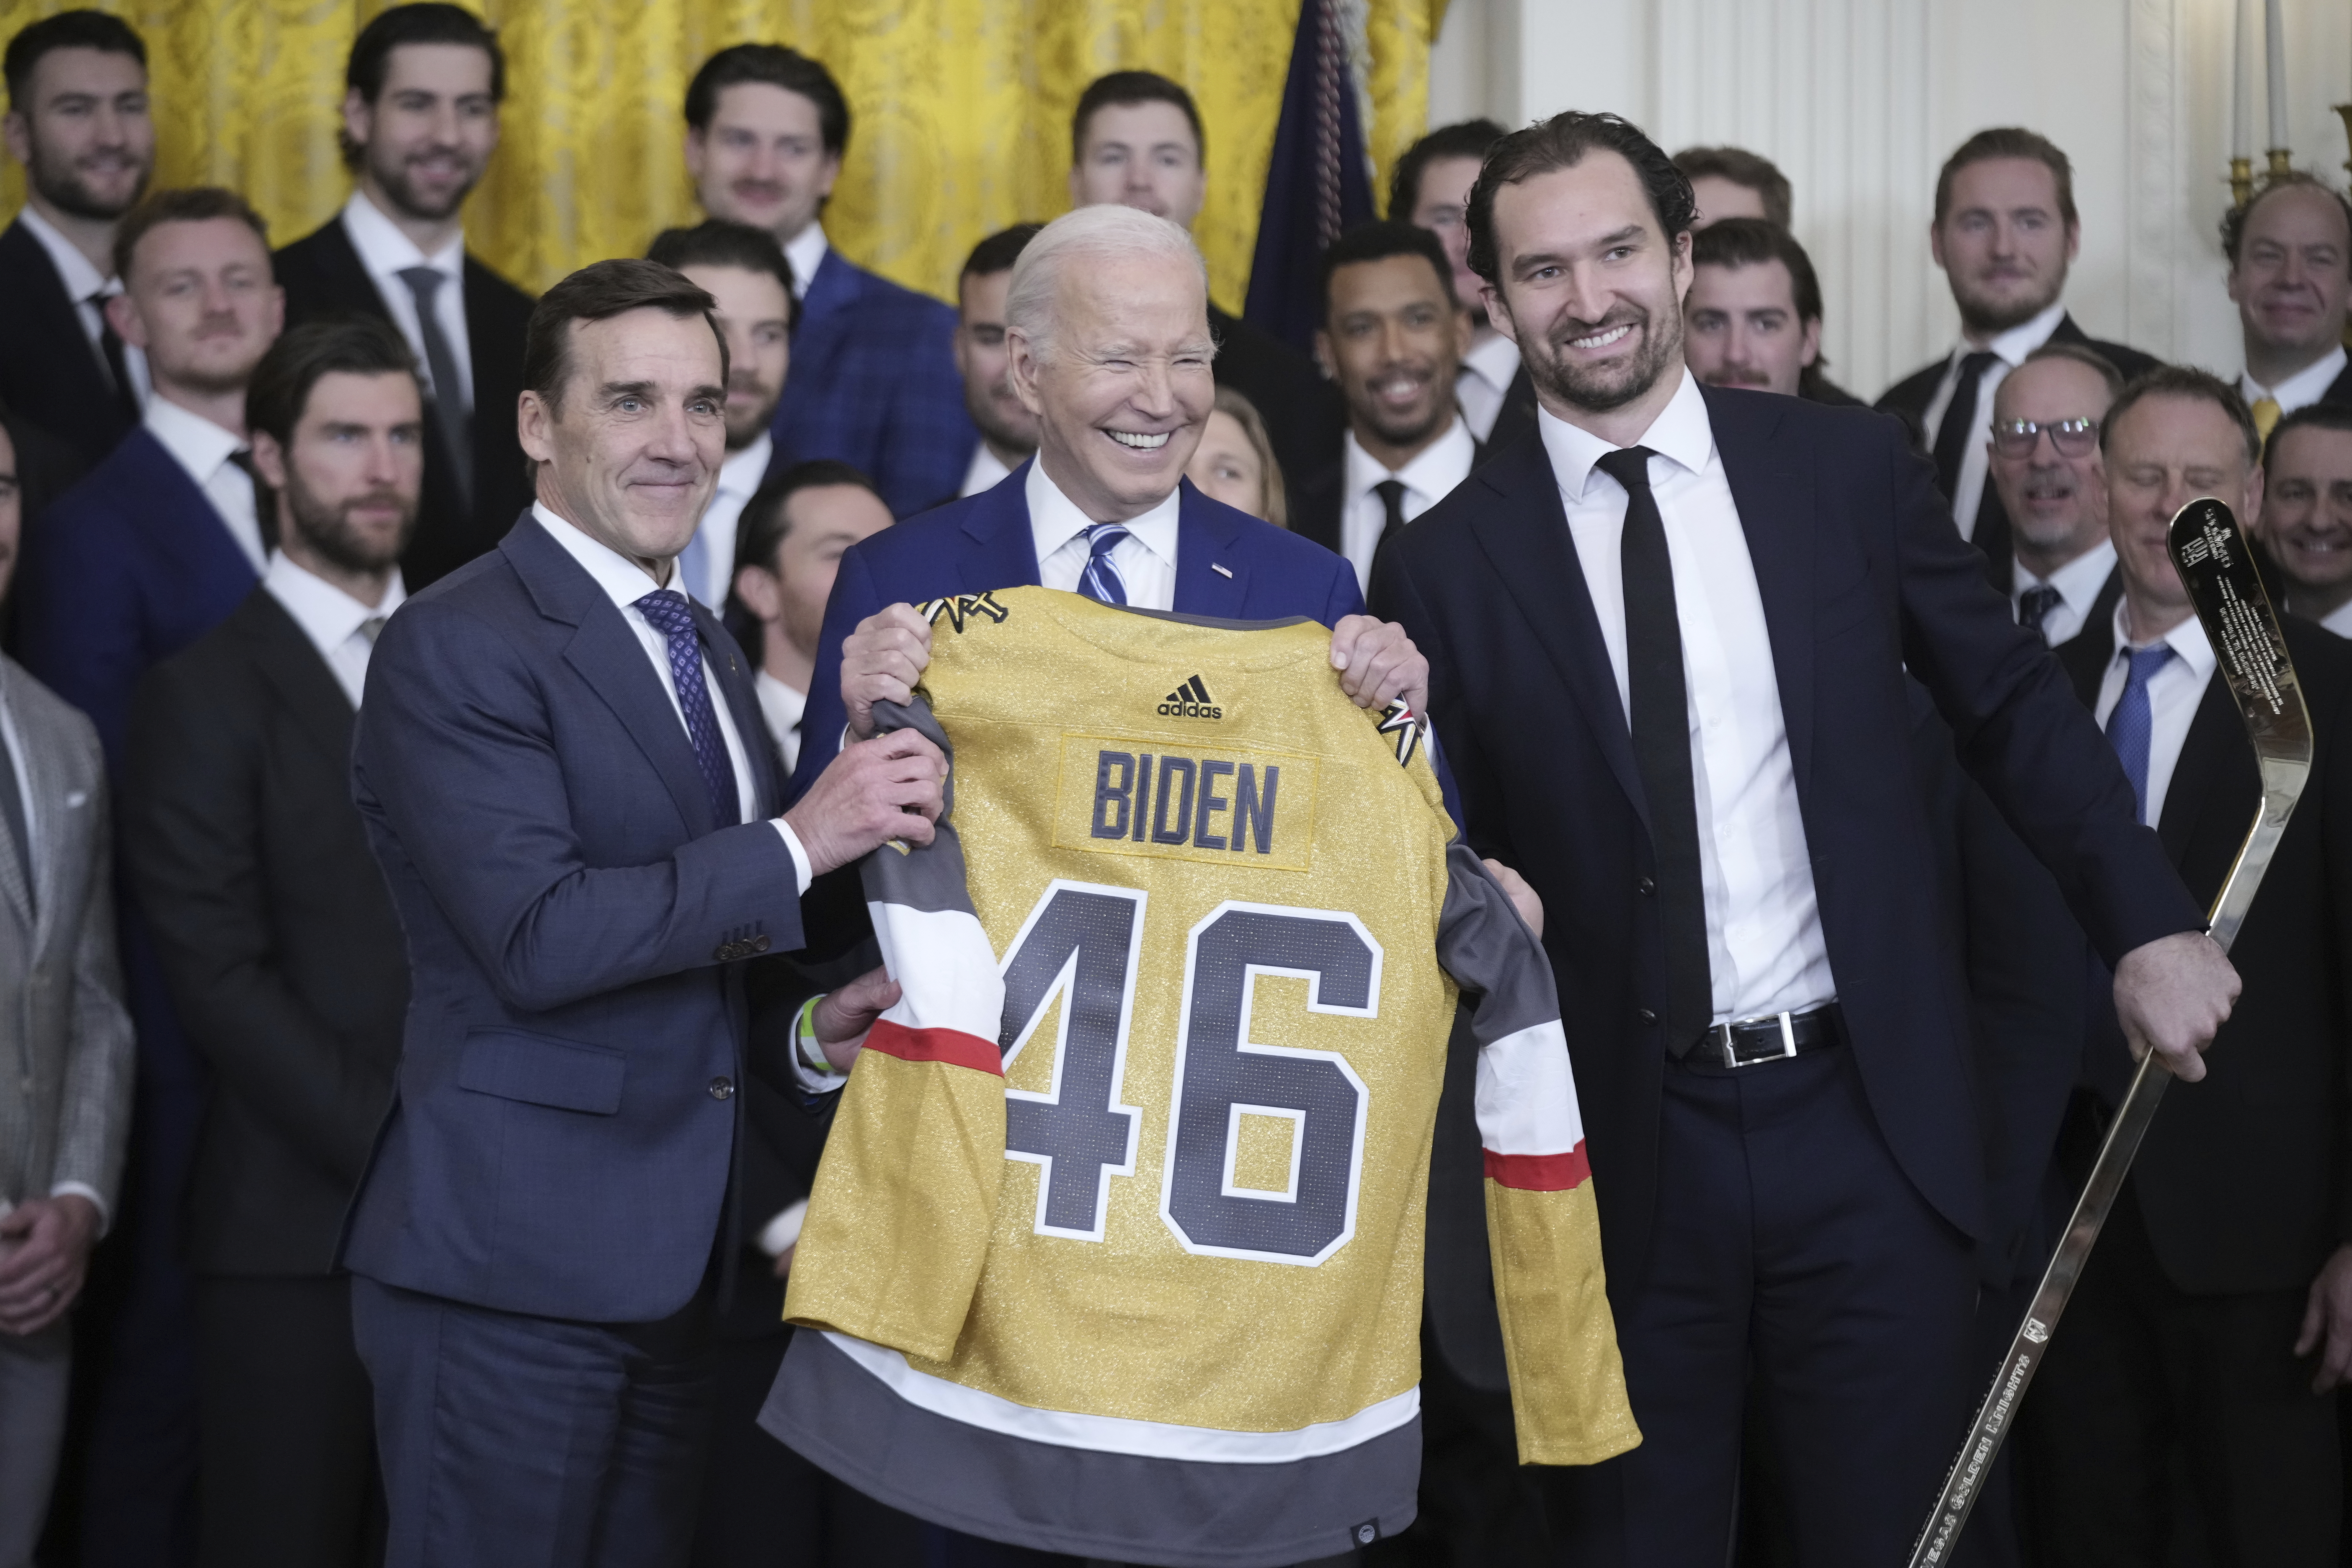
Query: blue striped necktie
[(1101, 579), (2132, 725)]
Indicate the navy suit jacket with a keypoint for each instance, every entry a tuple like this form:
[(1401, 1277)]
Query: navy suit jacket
[(125, 569), (874, 384), (563, 1127), (1861, 574), (1229, 565)]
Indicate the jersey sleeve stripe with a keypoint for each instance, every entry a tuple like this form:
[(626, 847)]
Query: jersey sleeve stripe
[(1540, 1172), (945, 968), (953, 1047)]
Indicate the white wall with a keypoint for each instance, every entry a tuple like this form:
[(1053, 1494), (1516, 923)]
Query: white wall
[(1859, 100)]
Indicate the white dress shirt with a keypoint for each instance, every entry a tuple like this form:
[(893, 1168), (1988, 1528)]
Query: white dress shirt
[(1764, 938), (2339, 620), (1427, 479), (805, 252), (1145, 558), (205, 450), (2078, 584), (2304, 388), (1485, 375), (335, 622), (387, 253), (739, 481), (2173, 694), (985, 472), (624, 583), (782, 706), (82, 281), (2008, 349)]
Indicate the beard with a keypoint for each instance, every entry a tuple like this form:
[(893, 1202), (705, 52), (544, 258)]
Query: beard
[(1987, 315), (745, 428), (392, 173), (62, 186), (1604, 387), (326, 526)]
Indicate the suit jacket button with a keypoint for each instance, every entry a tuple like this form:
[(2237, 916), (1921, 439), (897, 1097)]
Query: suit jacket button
[(758, 944), (1643, 1013), (1646, 886), (724, 953), (722, 1089)]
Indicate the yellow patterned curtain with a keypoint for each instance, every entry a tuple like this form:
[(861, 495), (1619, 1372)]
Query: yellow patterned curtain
[(960, 112)]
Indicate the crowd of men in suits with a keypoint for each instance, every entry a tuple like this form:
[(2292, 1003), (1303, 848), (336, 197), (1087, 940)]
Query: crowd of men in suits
[(224, 469)]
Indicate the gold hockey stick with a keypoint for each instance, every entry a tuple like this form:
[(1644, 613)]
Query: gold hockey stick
[(2216, 567)]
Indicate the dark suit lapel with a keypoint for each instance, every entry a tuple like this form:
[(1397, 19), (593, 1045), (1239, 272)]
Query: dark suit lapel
[(1527, 541), (1774, 492), (183, 520), (2215, 746), (604, 650), (1004, 550), (296, 670), (1211, 578), (826, 306), (345, 275), (2341, 389), (725, 657)]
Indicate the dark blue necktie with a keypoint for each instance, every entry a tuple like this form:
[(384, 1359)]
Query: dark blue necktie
[(1101, 579), (666, 610), (2132, 725)]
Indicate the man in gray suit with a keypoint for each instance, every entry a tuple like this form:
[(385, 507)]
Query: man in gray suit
[(65, 1100)]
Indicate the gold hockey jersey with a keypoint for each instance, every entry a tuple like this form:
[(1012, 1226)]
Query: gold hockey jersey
[(1116, 1246)]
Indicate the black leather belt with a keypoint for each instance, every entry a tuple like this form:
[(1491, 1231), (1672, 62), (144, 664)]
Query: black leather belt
[(1774, 1038)]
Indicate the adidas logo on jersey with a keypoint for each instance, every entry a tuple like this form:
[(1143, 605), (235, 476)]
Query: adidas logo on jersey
[(1191, 700)]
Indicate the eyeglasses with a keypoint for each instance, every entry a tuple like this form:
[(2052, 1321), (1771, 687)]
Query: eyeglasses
[(2018, 437)]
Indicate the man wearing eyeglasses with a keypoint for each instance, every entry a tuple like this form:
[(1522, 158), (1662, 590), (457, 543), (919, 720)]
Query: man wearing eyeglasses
[(2044, 462)]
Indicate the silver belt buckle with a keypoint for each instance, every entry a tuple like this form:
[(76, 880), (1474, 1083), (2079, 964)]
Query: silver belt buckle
[(1788, 1040)]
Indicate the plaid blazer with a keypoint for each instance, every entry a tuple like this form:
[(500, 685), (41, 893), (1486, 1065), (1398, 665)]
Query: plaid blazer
[(873, 384), (64, 1099)]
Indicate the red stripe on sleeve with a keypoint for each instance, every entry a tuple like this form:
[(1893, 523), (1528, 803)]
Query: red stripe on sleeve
[(1536, 1173), (953, 1047)]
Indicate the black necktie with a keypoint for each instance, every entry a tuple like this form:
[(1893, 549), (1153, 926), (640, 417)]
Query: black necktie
[(448, 392), (2034, 606), (12, 807), (110, 346), (1959, 423), (1391, 494), (1662, 748), (265, 500)]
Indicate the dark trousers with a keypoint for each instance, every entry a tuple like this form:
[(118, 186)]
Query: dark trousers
[(510, 1439), (763, 1506), (2166, 1428), (1787, 1241), (1479, 1507), (287, 1447)]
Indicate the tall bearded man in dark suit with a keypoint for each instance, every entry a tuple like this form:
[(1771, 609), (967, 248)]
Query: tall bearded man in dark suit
[(420, 123), (1667, 637)]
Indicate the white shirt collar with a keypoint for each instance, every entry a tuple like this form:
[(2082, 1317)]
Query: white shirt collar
[(781, 701), (2187, 640), (196, 443), (1495, 359), (986, 472), (2078, 582), (2020, 340), (2304, 387), (1681, 433), (74, 270), (2339, 620), (741, 472), (1054, 518), (386, 252), (806, 253), (1433, 471), (327, 615), (623, 581)]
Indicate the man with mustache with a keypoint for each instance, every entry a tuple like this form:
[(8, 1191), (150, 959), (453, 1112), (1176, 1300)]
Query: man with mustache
[(872, 380), (151, 550), (1392, 339), (1667, 641), (2290, 252), (2005, 231), (1755, 311), (279, 941), (79, 123), (420, 121), (1008, 432), (2306, 521), (742, 268), (2046, 464)]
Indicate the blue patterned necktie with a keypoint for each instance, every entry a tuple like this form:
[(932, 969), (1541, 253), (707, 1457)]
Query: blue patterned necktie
[(666, 611), (2133, 723), (1101, 579)]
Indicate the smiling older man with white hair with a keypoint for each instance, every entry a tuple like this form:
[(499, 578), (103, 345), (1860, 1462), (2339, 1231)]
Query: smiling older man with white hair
[(1107, 321)]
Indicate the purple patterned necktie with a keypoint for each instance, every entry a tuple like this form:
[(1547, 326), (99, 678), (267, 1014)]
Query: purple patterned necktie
[(666, 610)]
